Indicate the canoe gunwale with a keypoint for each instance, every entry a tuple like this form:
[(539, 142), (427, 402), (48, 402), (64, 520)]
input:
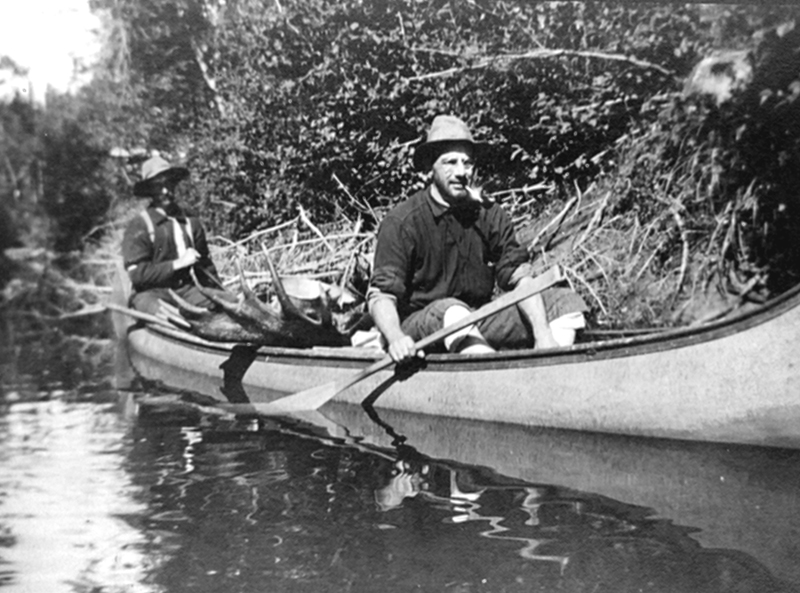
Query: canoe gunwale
[(658, 341)]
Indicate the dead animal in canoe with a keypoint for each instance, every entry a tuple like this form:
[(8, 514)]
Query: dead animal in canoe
[(301, 320)]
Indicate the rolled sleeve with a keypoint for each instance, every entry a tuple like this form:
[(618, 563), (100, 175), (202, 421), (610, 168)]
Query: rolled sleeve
[(388, 281), (391, 259), (374, 295)]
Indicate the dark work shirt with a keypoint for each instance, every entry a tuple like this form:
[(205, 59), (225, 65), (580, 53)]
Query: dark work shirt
[(149, 262), (426, 252)]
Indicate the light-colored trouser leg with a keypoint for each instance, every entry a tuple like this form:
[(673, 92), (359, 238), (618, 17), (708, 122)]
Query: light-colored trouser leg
[(452, 342), (565, 327)]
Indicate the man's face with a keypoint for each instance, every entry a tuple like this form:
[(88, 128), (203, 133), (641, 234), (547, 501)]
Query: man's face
[(164, 195), (452, 172)]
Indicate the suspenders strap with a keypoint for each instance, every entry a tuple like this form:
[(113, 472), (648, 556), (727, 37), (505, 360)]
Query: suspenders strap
[(151, 231)]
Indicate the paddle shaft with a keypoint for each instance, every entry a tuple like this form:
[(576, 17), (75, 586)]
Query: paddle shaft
[(313, 398)]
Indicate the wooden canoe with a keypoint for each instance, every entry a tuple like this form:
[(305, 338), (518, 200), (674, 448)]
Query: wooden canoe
[(731, 381)]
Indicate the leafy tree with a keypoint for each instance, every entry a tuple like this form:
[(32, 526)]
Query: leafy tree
[(156, 50), (319, 103), (77, 178), (326, 99), (20, 178)]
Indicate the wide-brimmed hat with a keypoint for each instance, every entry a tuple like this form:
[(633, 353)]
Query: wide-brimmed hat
[(444, 129), (156, 168)]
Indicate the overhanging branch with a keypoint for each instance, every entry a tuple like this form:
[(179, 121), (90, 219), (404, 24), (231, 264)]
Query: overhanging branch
[(210, 81), (537, 54)]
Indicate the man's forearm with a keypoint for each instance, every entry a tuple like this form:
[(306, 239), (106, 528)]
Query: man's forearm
[(384, 313), (145, 275), (400, 346)]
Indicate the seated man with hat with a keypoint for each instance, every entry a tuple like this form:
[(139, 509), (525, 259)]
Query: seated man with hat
[(162, 245), (440, 254)]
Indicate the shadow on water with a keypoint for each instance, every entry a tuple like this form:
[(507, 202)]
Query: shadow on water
[(152, 493)]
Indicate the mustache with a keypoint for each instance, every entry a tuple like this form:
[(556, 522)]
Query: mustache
[(173, 208)]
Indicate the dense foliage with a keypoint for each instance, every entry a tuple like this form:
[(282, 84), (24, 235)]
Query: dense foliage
[(702, 214), (318, 104), (325, 100)]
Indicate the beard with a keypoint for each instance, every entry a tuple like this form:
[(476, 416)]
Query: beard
[(168, 204), (172, 209)]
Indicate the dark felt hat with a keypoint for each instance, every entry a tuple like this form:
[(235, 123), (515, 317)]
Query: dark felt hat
[(156, 168), (445, 129)]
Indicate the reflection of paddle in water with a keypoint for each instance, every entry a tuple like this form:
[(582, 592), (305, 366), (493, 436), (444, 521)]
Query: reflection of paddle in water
[(398, 441), (415, 474)]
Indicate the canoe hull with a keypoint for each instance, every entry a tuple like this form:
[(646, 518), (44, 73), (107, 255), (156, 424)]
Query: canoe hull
[(735, 381)]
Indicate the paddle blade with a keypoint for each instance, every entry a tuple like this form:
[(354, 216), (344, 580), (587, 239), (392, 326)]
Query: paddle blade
[(310, 399), (313, 398)]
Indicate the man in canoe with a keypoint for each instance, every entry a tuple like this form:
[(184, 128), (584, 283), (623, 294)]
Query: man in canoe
[(162, 244), (442, 252)]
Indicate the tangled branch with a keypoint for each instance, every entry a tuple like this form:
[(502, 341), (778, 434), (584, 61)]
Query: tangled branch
[(537, 54)]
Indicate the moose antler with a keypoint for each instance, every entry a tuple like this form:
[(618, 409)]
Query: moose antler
[(300, 321), (217, 326)]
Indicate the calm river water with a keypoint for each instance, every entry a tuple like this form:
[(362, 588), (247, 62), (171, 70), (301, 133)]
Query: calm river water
[(100, 493)]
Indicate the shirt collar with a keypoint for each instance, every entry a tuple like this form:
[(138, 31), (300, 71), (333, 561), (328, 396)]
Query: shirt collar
[(438, 206), (158, 216)]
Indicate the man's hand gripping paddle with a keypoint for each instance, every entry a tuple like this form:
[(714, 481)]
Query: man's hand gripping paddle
[(311, 399)]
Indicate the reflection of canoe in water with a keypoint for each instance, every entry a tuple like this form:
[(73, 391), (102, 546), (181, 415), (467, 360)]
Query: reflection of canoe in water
[(732, 381), (737, 497), (718, 517)]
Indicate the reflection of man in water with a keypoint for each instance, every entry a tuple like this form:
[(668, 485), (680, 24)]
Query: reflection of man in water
[(407, 481), (403, 483)]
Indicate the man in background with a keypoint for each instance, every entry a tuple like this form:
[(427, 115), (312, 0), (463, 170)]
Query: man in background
[(162, 245)]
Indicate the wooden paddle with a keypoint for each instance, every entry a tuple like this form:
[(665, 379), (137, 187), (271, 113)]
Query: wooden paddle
[(313, 398)]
